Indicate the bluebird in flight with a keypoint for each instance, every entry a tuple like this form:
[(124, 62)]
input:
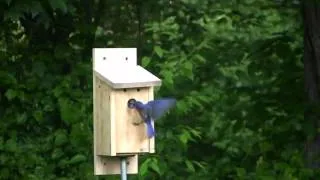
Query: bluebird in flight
[(152, 110)]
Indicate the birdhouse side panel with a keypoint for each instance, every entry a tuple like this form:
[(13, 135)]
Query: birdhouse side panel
[(103, 124), (151, 141), (131, 134)]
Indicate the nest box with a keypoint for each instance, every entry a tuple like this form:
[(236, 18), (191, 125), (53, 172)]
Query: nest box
[(116, 79)]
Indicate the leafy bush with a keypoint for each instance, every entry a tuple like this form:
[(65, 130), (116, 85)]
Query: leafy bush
[(235, 69)]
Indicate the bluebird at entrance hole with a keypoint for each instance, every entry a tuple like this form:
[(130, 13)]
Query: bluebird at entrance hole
[(152, 110)]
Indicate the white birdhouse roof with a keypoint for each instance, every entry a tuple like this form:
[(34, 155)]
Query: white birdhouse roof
[(118, 68), (127, 76)]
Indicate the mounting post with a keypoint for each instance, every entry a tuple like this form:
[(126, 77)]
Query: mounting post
[(123, 168)]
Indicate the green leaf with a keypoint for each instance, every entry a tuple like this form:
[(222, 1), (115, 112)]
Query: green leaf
[(195, 132), (184, 137), (77, 159), (168, 76), (21, 118), (76, 136), (200, 58), (59, 4), (2, 144), (39, 68), (200, 165), (69, 111), (158, 51), (61, 51), (11, 94), (11, 145), (189, 70), (241, 172), (13, 14), (61, 138), (63, 163), (221, 144), (154, 166), (190, 166), (38, 115), (144, 167), (145, 61), (188, 65), (8, 2), (57, 153), (182, 107), (7, 78)]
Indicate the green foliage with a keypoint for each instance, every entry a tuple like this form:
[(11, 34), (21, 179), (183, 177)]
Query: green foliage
[(235, 68)]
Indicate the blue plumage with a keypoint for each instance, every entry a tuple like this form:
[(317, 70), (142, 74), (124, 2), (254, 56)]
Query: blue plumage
[(153, 110)]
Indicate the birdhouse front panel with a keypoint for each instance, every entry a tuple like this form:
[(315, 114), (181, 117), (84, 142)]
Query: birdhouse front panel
[(103, 126), (130, 134), (120, 130)]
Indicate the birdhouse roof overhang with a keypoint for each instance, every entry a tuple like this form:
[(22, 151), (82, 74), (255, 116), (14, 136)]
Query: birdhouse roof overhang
[(127, 76)]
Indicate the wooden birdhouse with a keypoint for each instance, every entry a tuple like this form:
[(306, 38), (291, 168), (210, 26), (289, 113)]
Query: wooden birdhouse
[(117, 132)]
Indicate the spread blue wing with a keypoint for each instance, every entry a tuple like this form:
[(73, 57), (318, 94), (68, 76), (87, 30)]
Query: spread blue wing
[(142, 109), (160, 106)]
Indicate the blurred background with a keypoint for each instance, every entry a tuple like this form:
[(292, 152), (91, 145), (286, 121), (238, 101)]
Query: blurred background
[(235, 67)]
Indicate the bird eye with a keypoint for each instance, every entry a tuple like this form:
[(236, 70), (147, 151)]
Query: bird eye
[(131, 103)]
